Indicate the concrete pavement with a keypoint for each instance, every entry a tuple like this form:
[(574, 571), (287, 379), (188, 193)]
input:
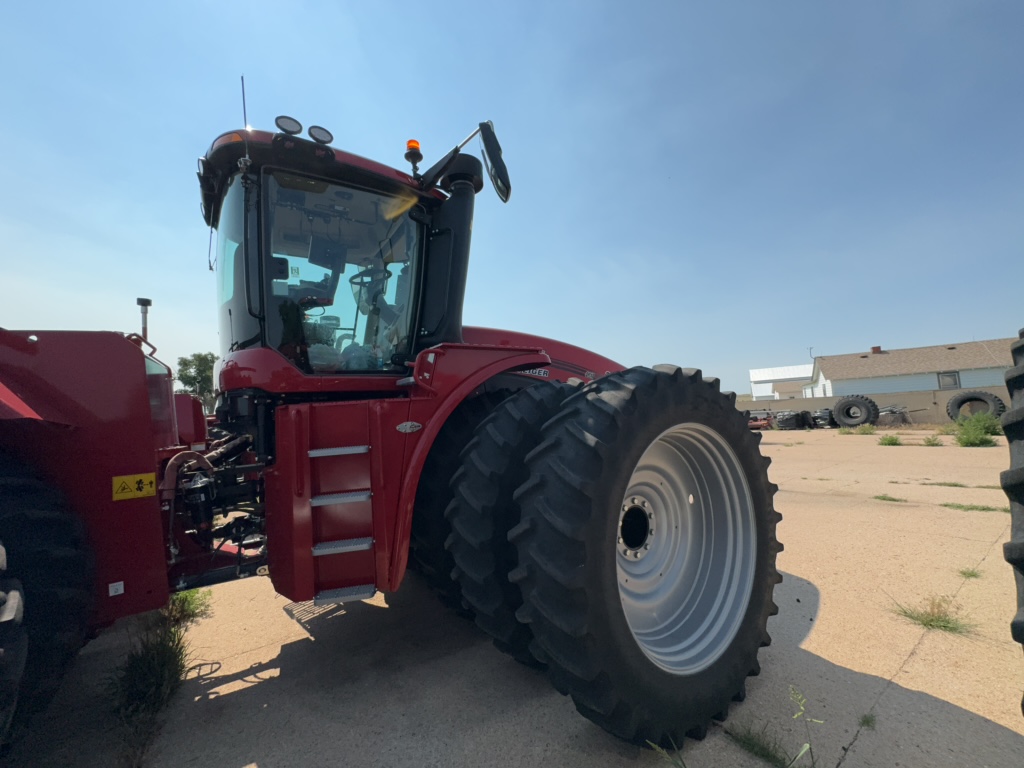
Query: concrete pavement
[(402, 682)]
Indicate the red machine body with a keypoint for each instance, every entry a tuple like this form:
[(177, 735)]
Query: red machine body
[(94, 415), (329, 482)]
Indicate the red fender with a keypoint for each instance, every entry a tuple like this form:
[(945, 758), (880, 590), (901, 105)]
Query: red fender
[(451, 372)]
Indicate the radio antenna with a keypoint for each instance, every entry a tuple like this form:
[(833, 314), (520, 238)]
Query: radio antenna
[(244, 162)]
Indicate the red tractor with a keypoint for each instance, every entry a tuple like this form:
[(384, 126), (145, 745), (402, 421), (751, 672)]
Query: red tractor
[(612, 526)]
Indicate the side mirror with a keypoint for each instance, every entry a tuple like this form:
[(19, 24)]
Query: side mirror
[(493, 162)]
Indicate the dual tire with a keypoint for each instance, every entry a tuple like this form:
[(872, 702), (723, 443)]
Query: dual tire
[(642, 557)]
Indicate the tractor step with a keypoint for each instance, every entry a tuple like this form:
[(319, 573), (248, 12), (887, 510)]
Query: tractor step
[(345, 594), (341, 546), (340, 498), (348, 450)]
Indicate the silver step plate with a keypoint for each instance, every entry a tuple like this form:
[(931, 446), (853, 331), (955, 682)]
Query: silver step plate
[(341, 546), (340, 498), (348, 450), (345, 595)]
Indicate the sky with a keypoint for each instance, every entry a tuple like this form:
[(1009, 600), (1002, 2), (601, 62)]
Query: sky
[(723, 186)]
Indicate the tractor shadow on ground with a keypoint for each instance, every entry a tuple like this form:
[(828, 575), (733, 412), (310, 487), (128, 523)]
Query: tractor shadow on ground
[(413, 684)]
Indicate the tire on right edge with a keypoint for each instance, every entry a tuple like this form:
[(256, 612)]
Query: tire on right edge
[(648, 493), (1012, 481)]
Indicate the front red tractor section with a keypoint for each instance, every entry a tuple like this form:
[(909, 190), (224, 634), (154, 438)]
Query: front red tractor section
[(92, 414)]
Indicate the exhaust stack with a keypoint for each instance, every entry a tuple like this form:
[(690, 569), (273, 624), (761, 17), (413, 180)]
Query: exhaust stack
[(144, 305)]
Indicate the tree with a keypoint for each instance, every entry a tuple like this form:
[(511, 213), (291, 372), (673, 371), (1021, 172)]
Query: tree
[(195, 373)]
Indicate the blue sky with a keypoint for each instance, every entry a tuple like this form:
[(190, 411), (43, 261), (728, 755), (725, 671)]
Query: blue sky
[(718, 185)]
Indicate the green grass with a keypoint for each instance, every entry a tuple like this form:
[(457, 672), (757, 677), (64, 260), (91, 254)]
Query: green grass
[(991, 487), (845, 431), (974, 507), (867, 721), (983, 422), (887, 497), (866, 429), (948, 485), (890, 440), (762, 744), (977, 431), (974, 440), (970, 573), (670, 758), (947, 429), (936, 613), (185, 608), (153, 670), (932, 442)]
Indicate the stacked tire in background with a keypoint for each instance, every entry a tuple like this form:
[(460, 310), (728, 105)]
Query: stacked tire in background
[(1013, 480)]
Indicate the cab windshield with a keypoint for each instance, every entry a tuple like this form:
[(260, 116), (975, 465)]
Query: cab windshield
[(339, 263)]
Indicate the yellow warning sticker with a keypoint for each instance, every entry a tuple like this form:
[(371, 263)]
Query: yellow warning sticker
[(134, 486)]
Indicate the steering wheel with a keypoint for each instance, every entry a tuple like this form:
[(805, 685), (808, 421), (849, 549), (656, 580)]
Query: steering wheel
[(369, 276)]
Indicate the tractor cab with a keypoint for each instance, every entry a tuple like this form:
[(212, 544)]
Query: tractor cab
[(322, 256)]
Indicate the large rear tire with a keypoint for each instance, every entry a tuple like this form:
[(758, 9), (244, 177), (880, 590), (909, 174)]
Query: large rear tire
[(430, 530), (1013, 482), (976, 402), (854, 410), (483, 511), (48, 560), (647, 552)]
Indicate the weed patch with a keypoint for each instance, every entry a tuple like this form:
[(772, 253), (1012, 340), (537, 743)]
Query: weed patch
[(974, 507), (866, 429), (153, 670), (977, 431), (867, 721), (887, 497), (948, 485), (932, 442), (970, 573), (890, 440), (937, 613), (761, 743), (845, 431)]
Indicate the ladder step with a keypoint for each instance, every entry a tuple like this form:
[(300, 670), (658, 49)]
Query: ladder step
[(347, 450), (345, 594), (342, 545), (340, 498)]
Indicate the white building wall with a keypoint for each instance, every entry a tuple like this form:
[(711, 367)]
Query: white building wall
[(918, 382), (822, 389), (762, 390), (983, 377), (912, 382)]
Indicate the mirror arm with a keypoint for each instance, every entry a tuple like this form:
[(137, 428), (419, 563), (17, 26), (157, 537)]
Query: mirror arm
[(436, 171)]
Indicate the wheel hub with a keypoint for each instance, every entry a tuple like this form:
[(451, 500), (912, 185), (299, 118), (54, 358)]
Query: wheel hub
[(686, 548), (635, 528)]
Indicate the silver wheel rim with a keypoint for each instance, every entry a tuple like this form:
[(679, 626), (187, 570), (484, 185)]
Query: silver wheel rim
[(686, 548)]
